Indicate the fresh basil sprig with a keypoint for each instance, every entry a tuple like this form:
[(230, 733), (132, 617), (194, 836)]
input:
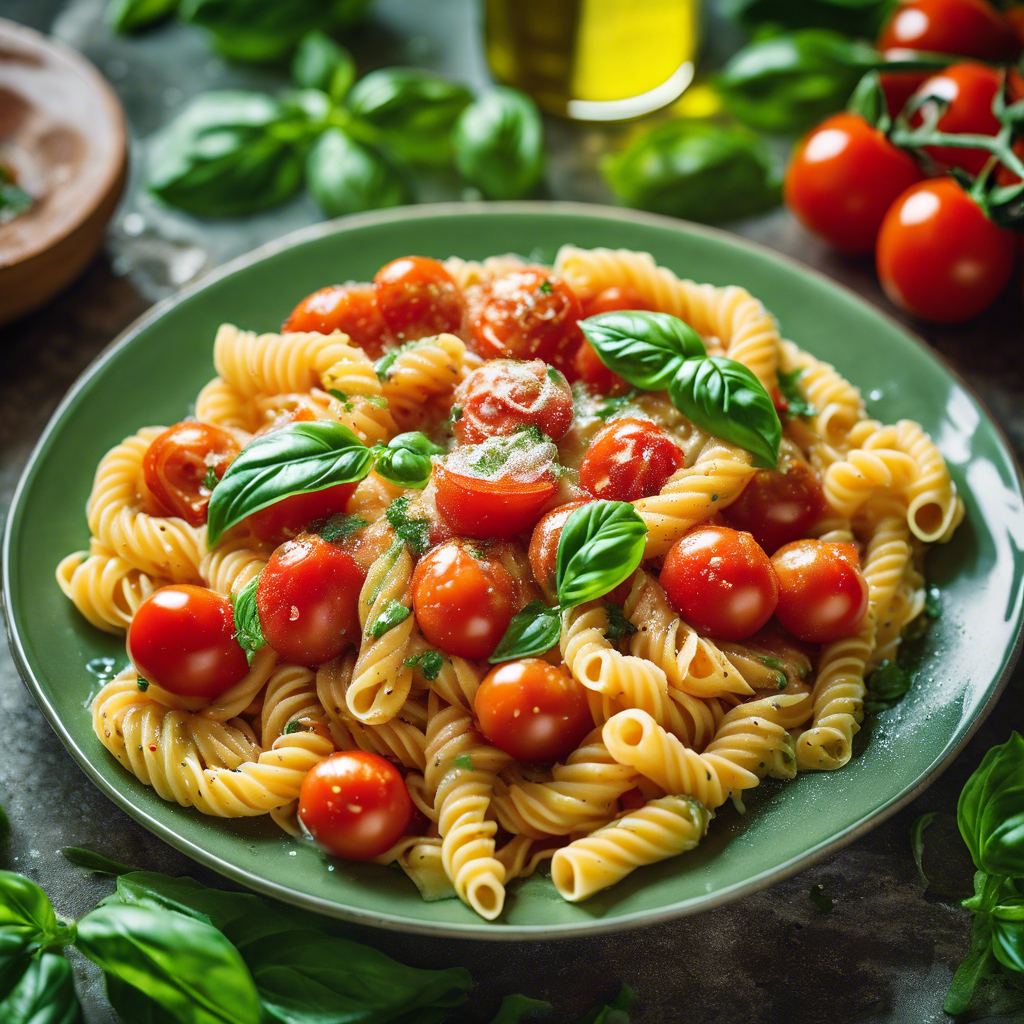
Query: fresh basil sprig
[(248, 631), (321, 63), (346, 176), (405, 459), (655, 351), (601, 545)]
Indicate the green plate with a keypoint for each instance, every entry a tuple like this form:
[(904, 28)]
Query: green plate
[(154, 370)]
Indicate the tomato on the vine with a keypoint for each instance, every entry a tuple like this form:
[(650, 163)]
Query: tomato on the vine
[(349, 308), (182, 638), (177, 467), (543, 551), (967, 28), (354, 804), (629, 459), (418, 297)]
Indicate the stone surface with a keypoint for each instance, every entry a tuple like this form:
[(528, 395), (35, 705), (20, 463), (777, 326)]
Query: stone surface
[(885, 952)]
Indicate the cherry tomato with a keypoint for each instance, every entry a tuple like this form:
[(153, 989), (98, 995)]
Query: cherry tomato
[(938, 256), (287, 518), (183, 639), (629, 459), (822, 593), (308, 600), (463, 600), (528, 314), (543, 552), (587, 365), (899, 86), (418, 297), (969, 90), (720, 581), (504, 395), (614, 298), (354, 804), (535, 711), (177, 464), (968, 28), (778, 505), (349, 308), (843, 177)]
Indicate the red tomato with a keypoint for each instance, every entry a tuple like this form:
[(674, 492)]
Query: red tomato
[(938, 256), (535, 711), (822, 594), (349, 308), (176, 466), (463, 600), (611, 299), (418, 297), (778, 505), (720, 581), (842, 178), (308, 600), (899, 86), (354, 804), (528, 314), (587, 365), (543, 553), (504, 395), (969, 90), (968, 28), (287, 518), (629, 459), (183, 639)]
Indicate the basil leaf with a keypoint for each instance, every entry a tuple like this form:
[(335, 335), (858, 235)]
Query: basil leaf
[(248, 631), (412, 111), (727, 400), (516, 1008), (296, 459), (978, 965), (132, 1005), (990, 811), (394, 613), (15, 955), (704, 172), (405, 460), (618, 625), (887, 685), (134, 15), (430, 664), (533, 631), (14, 201), (45, 994), (601, 545), (345, 176), (25, 908), (321, 63), (228, 153), (646, 349), (186, 965), (861, 18), (499, 144), (1008, 934), (92, 861)]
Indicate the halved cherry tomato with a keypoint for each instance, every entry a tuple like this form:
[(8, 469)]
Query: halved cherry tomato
[(967, 28), (535, 711), (587, 364), (720, 581), (287, 518), (308, 600), (629, 459), (418, 297), (778, 505), (543, 552), (177, 464), (354, 804), (938, 256), (349, 308), (182, 638), (505, 395), (843, 177), (463, 600), (528, 314), (822, 593)]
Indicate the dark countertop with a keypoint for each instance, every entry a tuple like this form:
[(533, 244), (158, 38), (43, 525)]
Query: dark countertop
[(886, 951)]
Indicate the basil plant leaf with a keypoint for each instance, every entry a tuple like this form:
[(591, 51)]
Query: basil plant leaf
[(412, 111), (133, 1005), (93, 861), (406, 461), (248, 631), (517, 1008), (499, 144), (645, 349), (296, 459), (1008, 934), (862, 18), (533, 631), (990, 811), (26, 909), (321, 63), (134, 15), (602, 543), (228, 153), (186, 965), (346, 176), (44, 994), (727, 400)]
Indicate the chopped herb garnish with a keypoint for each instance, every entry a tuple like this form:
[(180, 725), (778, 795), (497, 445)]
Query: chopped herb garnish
[(430, 663), (614, 404), (887, 686), (338, 527), (456, 413), (820, 900), (346, 402), (143, 684), (463, 761), (211, 479), (933, 603), (291, 727), (618, 625), (378, 400), (768, 661), (554, 376), (496, 451), (796, 404), (546, 288), (714, 498), (415, 532), (386, 361), (393, 613), (13, 200)]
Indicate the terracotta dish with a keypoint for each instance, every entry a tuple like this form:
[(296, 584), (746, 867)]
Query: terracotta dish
[(62, 141)]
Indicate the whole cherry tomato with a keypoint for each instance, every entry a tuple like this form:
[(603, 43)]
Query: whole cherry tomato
[(938, 256), (308, 600), (535, 711), (504, 395), (720, 581), (528, 314), (287, 518), (587, 365), (418, 298), (177, 466), (543, 552), (967, 28), (463, 600), (617, 297), (843, 177), (182, 638), (354, 804), (822, 593), (778, 505), (349, 308), (629, 459)]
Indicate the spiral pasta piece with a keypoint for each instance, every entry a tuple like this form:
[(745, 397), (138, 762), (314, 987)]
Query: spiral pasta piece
[(837, 403), (233, 563), (934, 509), (223, 405), (853, 480), (425, 370), (421, 859)]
